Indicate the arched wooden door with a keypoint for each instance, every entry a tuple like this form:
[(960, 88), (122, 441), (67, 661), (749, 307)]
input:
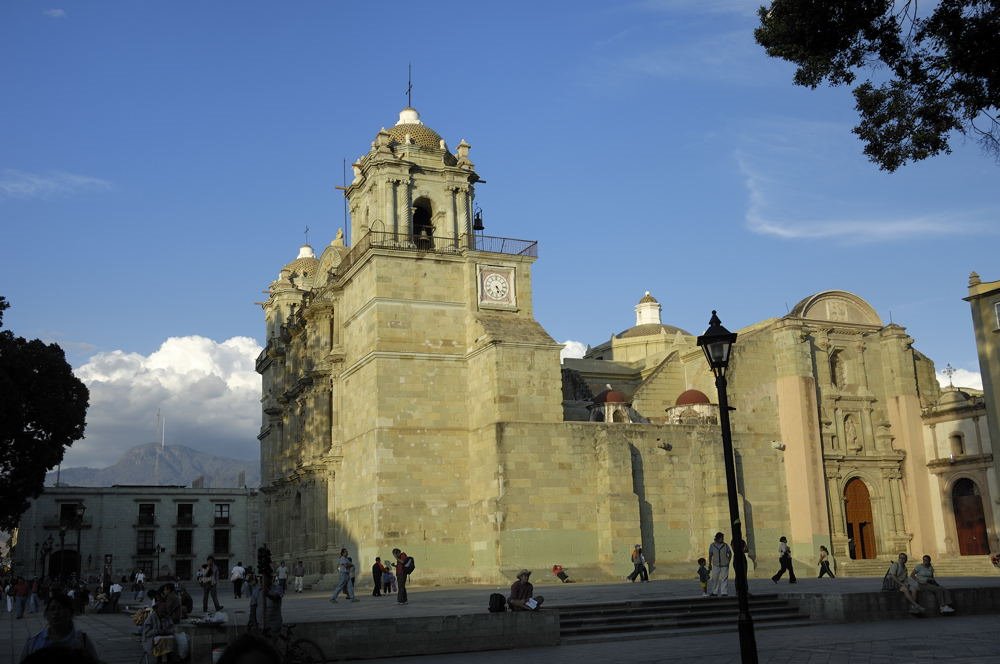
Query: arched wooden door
[(860, 526), (970, 521)]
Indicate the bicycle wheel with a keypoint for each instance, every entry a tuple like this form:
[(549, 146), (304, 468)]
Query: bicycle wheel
[(304, 651)]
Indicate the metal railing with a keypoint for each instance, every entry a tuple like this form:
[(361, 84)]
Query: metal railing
[(435, 244)]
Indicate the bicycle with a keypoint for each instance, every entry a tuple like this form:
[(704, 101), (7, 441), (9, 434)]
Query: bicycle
[(296, 650)]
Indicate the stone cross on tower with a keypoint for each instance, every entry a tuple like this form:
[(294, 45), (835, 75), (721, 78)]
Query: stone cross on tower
[(949, 371)]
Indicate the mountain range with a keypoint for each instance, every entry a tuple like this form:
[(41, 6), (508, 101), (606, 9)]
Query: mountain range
[(151, 464)]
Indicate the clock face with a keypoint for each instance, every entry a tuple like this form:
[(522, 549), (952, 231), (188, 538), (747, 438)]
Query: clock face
[(496, 287)]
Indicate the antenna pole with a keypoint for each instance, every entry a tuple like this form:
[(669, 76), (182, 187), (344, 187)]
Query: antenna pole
[(344, 175), (409, 84)]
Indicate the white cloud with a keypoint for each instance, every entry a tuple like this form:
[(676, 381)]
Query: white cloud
[(55, 13), (572, 349), (961, 378), (208, 392), (796, 173), (19, 184)]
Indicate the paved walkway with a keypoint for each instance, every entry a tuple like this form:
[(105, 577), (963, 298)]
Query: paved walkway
[(959, 639)]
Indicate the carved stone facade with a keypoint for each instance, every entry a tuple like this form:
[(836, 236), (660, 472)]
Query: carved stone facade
[(411, 399)]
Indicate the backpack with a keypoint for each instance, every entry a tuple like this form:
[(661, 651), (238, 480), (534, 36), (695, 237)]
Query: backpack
[(498, 603), (888, 581), (409, 565)]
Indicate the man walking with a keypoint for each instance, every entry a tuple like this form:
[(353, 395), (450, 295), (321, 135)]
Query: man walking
[(210, 581), (345, 568), (785, 560), (237, 575), (404, 567), (282, 577), (298, 573), (719, 557)]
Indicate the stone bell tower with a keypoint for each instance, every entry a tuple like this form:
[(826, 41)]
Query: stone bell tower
[(412, 187), (389, 384)]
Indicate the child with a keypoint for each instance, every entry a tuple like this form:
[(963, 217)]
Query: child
[(703, 577)]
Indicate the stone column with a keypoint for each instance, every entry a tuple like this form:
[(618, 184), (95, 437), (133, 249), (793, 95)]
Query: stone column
[(404, 210), (391, 223)]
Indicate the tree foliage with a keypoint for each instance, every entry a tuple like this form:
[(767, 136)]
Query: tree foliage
[(43, 409), (928, 77)]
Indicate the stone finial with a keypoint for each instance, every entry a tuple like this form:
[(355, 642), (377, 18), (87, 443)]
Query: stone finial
[(974, 279), (356, 167), (339, 240), (463, 149)]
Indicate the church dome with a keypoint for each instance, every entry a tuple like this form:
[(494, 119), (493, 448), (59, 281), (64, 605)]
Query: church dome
[(648, 299), (305, 263), (650, 329), (409, 123), (691, 398), (611, 395), (952, 397)]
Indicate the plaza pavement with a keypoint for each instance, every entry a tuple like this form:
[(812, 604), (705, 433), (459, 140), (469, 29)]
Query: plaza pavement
[(958, 639)]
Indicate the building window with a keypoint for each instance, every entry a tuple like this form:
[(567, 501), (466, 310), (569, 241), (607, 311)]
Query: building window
[(67, 513), (183, 542), (147, 514), (145, 542), (221, 541), (183, 569), (221, 514), (185, 514), (957, 443)]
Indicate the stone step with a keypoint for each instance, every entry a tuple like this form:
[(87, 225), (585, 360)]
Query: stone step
[(611, 620), (955, 566), (635, 623), (724, 626)]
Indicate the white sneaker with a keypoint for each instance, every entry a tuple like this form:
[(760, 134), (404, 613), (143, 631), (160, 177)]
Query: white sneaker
[(947, 609)]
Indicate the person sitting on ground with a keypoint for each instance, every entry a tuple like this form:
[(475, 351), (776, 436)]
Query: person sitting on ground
[(522, 594), (923, 574), (561, 574), (59, 631), (173, 607), (158, 633), (897, 572)]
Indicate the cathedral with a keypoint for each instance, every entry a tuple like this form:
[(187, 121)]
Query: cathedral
[(410, 399)]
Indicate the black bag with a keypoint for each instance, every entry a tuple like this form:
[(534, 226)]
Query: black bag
[(888, 581), (498, 603), (410, 565)]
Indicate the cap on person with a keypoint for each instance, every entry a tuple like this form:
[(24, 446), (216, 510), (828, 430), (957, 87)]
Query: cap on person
[(524, 572)]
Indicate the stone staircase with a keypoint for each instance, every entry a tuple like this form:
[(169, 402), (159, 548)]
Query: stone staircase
[(649, 619), (955, 566)]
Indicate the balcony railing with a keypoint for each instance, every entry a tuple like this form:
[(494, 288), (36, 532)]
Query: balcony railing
[(221, 521), (146, 520), (437, 244)]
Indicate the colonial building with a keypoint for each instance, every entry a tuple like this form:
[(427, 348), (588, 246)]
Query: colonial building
[(411, 399), (166, 531)]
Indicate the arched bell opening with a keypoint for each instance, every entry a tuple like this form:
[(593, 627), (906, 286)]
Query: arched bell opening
[(970, 520), (423, 229)]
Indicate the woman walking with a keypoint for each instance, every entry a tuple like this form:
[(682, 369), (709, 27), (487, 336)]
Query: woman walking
[(824, 563)]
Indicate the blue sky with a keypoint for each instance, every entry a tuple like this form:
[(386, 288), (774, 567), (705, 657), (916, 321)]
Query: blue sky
[(160, 161)]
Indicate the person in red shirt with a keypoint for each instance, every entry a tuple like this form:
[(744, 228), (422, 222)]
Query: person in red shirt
[(404, 565)]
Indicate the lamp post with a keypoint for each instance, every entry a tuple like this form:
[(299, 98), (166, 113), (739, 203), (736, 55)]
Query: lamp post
[(159, 549), (80, 509), (46, 550), (717, 342), (63, 527)]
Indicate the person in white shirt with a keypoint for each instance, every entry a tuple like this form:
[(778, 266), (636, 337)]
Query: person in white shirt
[(719, 556), (785, 560), (237, 575)]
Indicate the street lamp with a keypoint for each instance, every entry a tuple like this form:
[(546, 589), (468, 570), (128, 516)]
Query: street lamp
[(159, 549), (63, 527), (717, 342), (80, 509), (46, 550)]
